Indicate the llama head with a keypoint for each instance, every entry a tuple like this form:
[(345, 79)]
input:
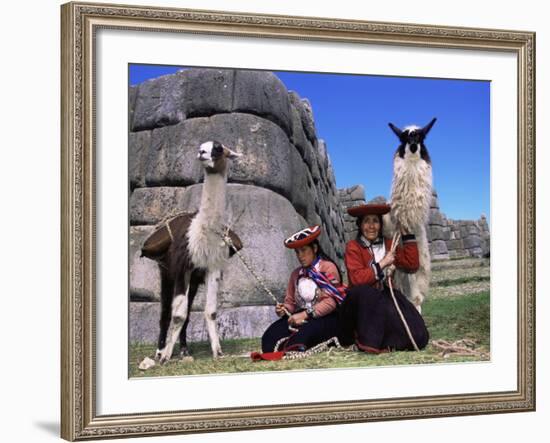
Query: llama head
[(411, 141), (213, 155)]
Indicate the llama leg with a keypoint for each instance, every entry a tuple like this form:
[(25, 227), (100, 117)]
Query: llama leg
[(193, 287), (422, 276), (179, 315), (402, 281), (415, 295), (212, 284), (166, 294), (422, 283)]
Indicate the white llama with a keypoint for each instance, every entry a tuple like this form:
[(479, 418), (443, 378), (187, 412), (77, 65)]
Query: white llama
[(411, 196)]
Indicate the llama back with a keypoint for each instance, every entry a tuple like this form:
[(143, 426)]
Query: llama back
[(157, 244)]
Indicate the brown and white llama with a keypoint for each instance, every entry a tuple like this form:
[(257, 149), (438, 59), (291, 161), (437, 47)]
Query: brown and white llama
[(411, 196), (190, 251)]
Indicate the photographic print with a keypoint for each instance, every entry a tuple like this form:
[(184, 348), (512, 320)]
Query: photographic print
[(302, 220)]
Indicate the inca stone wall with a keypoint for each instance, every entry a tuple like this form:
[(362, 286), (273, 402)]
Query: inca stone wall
[(469, 238), (447, 238), (350, 197), (283, 182), (456, 238)]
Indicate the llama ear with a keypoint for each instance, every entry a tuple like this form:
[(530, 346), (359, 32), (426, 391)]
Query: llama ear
[(230, 153), (427, 128), (396, 130)]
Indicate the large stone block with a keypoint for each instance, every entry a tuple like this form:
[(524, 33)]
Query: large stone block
[(305, 114), (149, 206), (331, 178), (262, 93), (472, 241), (357, 192), (208, 91), (159, 102), (439, 233), (310, 158), (350, 226), (429, 234), (322, 155), (473, 229), (302, 193), (298, 135), (172, 159), (436, 218), (241, 322), (265, 147), (455, 244), (201, 92), (308, 120), (139, 148), (438, 247)]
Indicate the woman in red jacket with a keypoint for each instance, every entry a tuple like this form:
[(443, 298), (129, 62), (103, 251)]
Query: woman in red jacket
[(368, 315)]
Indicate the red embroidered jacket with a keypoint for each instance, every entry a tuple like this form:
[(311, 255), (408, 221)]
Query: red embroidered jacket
[(362, 268)]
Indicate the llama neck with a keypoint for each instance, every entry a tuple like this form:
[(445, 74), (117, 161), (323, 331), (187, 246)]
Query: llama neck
[(212, 205)]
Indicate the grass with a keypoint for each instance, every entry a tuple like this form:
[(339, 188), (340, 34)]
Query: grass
[(463, 280), (450, 318)]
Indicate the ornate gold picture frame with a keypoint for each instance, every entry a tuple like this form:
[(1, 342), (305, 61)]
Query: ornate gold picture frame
[(79, 378)]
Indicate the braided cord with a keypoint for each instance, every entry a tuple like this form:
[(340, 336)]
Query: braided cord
[(395, 240), (321, 347), (227, 239)]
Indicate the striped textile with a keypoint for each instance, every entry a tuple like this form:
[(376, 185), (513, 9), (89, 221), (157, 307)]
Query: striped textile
[(325, 281)]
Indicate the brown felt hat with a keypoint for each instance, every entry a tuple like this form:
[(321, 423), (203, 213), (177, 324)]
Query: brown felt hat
[(372, 209), (303, 237)]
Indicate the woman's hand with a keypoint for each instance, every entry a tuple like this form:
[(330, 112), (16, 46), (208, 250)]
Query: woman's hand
[(388, 260), (297, 319), (280, 309)]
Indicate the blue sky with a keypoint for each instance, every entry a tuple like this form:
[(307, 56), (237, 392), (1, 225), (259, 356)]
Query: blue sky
[(352, 113)]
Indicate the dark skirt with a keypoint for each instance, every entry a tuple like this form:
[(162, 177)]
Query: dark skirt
[(369, 319), (315, 331)]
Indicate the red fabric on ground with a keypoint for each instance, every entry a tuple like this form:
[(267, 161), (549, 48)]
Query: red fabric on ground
[(270, 356)]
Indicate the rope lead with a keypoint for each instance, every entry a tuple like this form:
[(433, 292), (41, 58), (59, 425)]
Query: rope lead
[(395, 240)]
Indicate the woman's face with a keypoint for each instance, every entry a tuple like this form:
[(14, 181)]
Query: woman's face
[(370, 227), (306, 254)]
